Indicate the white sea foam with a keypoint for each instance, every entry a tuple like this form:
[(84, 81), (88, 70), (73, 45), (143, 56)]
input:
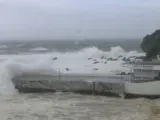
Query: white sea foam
[(77, 62), (20, 45), (3, 46), (39, 49)]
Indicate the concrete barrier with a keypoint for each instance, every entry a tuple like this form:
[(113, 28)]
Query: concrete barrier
[(84, 84)]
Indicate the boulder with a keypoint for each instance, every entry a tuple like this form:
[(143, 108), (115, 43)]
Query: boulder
[(103, 57), (123, 73), (126, 59), (129, 73), (120, 56), (96, 62), (112, 59), (95, 69), (67, 69), (55, 58)]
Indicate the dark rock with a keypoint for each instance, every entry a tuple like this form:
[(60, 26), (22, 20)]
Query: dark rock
[(124, 63), (123, 73), (131, 62), (89, 58), (126, 59), (95, 69), (120, 56), (103, 57), (96, 62), (129, 73), (105, 62), (55, 58), (67, 69), (140, 57), (112, 59), (132, 57)]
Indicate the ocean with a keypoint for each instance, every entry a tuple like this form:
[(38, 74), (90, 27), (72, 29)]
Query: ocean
[(48, 56)]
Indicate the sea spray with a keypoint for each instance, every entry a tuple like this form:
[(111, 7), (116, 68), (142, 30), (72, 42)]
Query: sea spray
[(76, 62), (6, 75), (39, 49)]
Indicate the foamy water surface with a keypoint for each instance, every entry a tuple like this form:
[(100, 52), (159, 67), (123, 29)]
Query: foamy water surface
[(69, 106)]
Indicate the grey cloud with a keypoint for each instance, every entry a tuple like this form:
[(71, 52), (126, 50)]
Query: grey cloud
[(77, 19)]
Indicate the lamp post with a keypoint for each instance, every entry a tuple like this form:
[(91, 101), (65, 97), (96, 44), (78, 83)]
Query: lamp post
[(58, 73)]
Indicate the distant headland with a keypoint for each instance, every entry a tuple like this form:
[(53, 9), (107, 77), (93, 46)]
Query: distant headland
[(151, 44)]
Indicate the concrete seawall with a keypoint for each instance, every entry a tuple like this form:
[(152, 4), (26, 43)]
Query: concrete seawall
[(84, 84)]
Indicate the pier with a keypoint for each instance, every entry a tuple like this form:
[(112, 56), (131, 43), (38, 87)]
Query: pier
[(76, 83)]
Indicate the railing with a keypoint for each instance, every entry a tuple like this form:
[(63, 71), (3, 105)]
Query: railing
[(143, 66), (72, 82), (142, 69)]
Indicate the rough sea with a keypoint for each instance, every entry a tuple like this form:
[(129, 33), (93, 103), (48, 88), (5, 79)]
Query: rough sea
[(79, 56)]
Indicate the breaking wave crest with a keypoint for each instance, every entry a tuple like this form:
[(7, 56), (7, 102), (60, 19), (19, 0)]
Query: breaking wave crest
[(39, 49), (77, 62)]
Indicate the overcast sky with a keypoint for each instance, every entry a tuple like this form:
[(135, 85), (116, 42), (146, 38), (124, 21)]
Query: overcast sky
[(77, 19)]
